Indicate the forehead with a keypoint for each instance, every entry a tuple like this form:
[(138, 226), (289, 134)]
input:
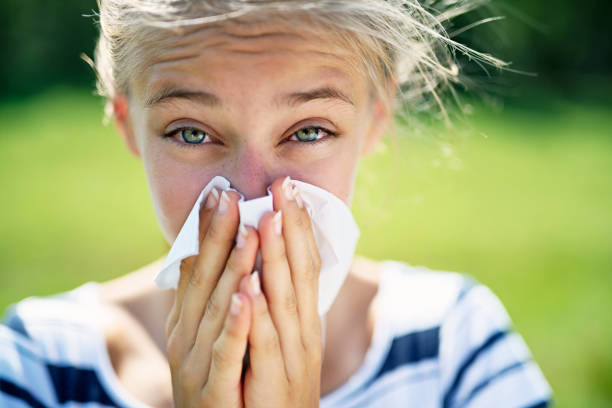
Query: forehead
[(250, 56)]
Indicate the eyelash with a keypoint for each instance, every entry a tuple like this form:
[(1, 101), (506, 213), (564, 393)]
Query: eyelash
[(328, 133), (171, 134)]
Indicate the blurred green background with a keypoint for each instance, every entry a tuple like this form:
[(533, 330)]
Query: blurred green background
[(519, 195)]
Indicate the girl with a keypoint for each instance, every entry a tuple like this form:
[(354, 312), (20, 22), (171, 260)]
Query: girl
[(263, 93)]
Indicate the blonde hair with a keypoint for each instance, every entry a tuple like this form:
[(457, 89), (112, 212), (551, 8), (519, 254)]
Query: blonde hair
[(401, 42)]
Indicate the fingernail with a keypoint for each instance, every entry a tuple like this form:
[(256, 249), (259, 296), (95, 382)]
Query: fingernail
[(286, 186), (212, 199), (254, 284), (297, 196), (278, 222), (291, 192), (224, 202), (242, 236), (236, 304)]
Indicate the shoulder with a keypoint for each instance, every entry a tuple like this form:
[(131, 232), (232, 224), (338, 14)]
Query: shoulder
[(20, 366), (419, 297), (460, 324), (68, 315), (483, 360), (46, 345)]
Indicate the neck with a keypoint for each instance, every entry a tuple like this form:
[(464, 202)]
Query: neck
[(141, 298)]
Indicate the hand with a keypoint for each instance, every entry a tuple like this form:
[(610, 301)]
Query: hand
[(206, 344), (285, 332)]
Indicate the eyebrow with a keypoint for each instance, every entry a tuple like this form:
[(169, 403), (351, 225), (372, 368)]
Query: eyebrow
[(326, 92), (168, 93), (206, 98)]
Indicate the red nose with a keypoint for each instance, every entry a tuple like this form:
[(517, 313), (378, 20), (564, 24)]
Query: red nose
[(250, 173)]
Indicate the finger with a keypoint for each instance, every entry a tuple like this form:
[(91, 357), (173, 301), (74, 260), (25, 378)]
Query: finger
[(185, 269), (239, 264), (303, 257), (214, 252), (265, 354), (206, 210), (228, 351), (278, 289)]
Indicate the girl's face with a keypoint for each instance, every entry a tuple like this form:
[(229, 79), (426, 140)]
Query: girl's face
[(250, 103)]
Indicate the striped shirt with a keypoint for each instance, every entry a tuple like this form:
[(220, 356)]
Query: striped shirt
[(440, 340)]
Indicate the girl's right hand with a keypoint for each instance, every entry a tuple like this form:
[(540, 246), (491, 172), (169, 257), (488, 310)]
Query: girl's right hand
[(208, 326)]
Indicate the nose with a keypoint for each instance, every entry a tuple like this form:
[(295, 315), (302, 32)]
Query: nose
[(250, 173)]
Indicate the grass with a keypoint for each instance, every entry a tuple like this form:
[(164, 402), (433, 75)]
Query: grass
[(522, 201)]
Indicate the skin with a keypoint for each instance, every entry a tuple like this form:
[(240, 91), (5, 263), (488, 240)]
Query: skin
[(249, 88)]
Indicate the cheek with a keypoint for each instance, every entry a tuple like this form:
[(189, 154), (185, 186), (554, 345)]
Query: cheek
[(344, 173), (174, 189), (337, 174)]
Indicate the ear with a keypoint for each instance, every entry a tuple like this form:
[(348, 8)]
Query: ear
[(123, 122), (381, 118)]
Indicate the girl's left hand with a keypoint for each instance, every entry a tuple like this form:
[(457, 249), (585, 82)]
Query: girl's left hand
[(285, 335)]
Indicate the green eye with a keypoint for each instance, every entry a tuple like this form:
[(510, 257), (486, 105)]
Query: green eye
[(193, 136), (309, 134)]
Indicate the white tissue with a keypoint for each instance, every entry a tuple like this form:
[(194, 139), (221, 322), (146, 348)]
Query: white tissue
[(334, 228)]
